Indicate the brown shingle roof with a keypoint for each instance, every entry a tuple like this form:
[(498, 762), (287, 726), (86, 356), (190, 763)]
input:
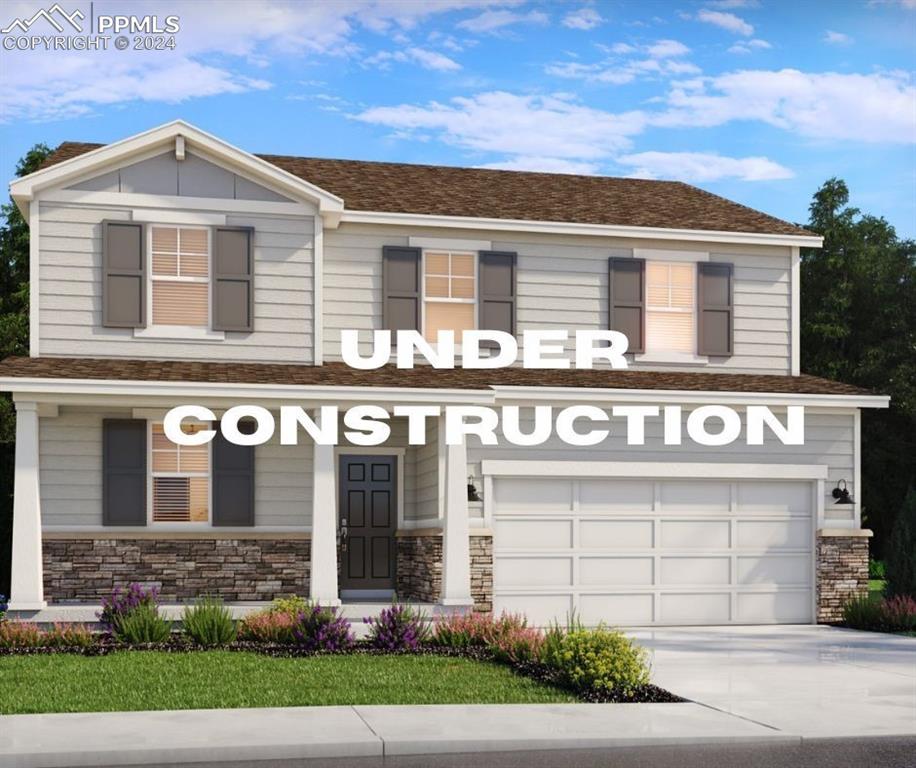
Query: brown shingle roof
[(340, 375), (483, 193)]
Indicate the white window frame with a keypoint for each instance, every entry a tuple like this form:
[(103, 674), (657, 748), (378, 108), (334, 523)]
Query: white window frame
[(184, 332), (670, 355), (423, 299), (150, 474)]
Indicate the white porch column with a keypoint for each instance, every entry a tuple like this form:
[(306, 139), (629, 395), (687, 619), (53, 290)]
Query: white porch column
[(456, 554), (323, 576), (26, 588)]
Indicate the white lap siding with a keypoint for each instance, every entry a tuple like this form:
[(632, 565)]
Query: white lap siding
[(70, 291), (70, 448), (829, 440), (563, 283)]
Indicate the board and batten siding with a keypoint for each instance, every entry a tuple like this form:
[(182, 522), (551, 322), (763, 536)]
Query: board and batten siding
[(70, 291), (829, 440), (563, 283), (70, 466)]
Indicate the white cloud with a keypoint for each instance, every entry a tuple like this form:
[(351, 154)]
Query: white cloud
[(213, 55), (748, 46), (664, 49), (836, 38), (425, 58), (584, 18), (702, 167), (516, 126), (829, 105), (663, 58), (545, 165), (727, 21), (490, 22)]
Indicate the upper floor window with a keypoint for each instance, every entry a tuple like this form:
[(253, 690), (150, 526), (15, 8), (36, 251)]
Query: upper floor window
[(180, 284), (670, 307), (180, 477), (449, 293)]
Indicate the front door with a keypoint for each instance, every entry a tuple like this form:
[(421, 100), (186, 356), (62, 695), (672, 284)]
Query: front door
[(368, 520)]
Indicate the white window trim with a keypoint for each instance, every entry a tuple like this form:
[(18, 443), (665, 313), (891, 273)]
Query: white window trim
[(171, 524), (670, 355), (423, 298), (178, 332)]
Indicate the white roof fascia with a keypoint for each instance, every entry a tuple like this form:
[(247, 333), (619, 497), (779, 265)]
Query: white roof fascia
[(571, 228)]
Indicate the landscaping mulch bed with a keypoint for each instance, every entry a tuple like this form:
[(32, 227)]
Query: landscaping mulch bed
[(538, 672)]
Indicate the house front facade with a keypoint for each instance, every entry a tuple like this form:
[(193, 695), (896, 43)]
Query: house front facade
[(172, 268)]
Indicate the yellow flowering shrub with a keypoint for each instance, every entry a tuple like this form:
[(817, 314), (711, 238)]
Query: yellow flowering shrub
[(599, 659)]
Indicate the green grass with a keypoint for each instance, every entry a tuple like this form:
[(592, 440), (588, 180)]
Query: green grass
[(147, 680), (876, 588)]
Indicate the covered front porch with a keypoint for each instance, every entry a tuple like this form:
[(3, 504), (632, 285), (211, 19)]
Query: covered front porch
[(68, 554)]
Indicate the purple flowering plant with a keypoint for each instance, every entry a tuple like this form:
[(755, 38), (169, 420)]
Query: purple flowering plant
[(3, 606), (123, 601), (398, 628), (321, 628)]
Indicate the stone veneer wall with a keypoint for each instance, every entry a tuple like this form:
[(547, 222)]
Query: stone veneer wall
[(86, 570), (842, 574), (420, 569)]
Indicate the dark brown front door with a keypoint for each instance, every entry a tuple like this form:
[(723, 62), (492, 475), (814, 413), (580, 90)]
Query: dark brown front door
[(368, 513)]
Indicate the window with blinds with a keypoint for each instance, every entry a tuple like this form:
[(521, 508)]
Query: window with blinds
[(670, 307), (181, 477), (180, 276), (449, 293)]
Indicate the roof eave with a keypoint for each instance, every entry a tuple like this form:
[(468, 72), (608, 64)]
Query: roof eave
[(573, 228)]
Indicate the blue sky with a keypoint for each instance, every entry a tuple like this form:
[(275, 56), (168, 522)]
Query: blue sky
[(757, 100)]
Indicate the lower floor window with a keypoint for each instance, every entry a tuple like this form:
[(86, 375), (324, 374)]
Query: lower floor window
[(180, 478)]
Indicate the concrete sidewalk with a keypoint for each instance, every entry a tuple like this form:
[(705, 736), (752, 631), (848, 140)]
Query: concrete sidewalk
[(136, 738)]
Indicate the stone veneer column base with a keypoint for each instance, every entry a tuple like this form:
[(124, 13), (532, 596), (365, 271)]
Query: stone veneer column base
[(842, 571), (85, 570), (420, 568)]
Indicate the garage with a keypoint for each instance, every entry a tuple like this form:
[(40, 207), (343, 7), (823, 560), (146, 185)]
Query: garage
[(635, 550)]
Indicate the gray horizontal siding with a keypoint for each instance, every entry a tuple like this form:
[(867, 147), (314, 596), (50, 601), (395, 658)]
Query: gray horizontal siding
[(563, 284), (70, 292)]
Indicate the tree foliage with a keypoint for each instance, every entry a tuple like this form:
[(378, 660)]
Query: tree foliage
[(14, 282), (901, 551), (858, 325)]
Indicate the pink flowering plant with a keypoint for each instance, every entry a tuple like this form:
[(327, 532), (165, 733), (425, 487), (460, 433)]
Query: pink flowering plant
[(20, 634)]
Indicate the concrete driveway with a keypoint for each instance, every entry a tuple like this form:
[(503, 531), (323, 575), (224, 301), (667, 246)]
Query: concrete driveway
[(806, 680)]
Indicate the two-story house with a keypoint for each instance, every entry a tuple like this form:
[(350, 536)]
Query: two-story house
[(172, 268)]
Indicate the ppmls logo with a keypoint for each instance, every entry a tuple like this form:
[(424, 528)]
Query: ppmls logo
[(55, 16)]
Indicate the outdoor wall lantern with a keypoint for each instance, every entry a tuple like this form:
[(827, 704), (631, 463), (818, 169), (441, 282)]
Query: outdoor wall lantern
[(472, 490), (842, 494)]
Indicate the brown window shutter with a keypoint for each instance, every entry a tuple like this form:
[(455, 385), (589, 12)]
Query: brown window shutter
[(627, 300), (123, 275), (400, 288), (497, 292), (233, 480), (124, 472), (715, 309), (232, 283)]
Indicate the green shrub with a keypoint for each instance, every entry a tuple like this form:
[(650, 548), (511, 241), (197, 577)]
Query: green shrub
[(863, 613), (209, 622), (876, 570), (900, 562), (142, 624), (292, 605), (598, 659)]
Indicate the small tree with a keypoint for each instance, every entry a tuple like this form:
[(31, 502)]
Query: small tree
[(900, 563)]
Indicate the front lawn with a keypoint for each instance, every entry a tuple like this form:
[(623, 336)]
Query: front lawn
[(146, 680)]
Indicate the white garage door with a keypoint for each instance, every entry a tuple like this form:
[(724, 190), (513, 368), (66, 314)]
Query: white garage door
[(639, 552)]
